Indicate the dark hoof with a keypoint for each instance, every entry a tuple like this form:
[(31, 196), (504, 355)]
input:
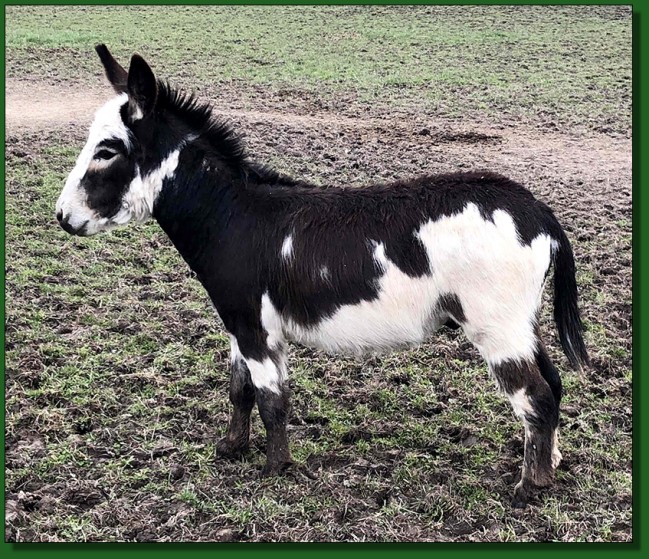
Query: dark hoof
[(270, 470), (226, 448), (521, 497), (519, 503)]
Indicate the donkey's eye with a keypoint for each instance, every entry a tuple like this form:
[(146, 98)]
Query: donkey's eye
[(105, 154)]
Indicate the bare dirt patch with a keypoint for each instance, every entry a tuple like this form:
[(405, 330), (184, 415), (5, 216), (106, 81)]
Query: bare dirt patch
[(33, 106)]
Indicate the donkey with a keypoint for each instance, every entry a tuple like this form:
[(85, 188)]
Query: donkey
[(338, 268)]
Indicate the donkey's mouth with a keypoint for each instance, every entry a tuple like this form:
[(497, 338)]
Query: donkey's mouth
[(80, 231)]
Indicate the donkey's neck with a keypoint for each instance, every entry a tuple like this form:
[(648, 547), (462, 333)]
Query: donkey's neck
[(204, 200)]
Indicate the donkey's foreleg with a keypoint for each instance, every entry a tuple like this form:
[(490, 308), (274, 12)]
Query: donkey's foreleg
[(273, 408), (242, 396), (269, 378)]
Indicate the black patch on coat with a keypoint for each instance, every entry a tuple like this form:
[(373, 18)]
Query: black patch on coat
[(549, 373), (514, 375), (106, 186), (449, 303)]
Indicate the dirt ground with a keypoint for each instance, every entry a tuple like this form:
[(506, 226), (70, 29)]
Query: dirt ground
[(585, 177)]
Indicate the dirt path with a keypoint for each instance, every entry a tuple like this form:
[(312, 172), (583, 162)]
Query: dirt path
[(33, 106)]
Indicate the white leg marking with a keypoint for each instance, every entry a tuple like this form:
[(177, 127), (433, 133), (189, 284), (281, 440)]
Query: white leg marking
[(521, 403), (235, 353), (271, 321), (556, 454), (266, 375)]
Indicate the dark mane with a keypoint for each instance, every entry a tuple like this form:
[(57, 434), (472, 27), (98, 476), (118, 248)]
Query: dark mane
[(217, 134)]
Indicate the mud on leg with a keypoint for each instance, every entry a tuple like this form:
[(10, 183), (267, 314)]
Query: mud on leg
[(535, 402), (242, 396), (272, 393)]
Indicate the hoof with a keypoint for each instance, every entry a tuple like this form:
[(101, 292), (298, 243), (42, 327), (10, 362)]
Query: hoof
[(226, 448), (519, 502), (521, 497), (276, 469)]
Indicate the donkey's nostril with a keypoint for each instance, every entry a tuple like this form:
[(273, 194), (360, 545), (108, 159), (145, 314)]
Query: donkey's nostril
[(59, 215)]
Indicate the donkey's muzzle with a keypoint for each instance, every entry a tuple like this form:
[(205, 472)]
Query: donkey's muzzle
[(65, 223)]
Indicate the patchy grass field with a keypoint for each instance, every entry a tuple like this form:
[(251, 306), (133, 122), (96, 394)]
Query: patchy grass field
[(116, 364)]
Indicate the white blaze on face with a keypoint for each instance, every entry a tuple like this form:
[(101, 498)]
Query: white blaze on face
[(139, 195), (73, 200)]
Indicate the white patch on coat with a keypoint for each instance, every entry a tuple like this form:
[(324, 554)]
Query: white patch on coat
[(497, 280), (325, 274), (138, 201), (287, 247), (521, 403), (266, 374), (107, 124), (137, 114)]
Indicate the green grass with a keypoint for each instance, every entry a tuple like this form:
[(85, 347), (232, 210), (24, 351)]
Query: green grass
[(524, 63), (143, 388)]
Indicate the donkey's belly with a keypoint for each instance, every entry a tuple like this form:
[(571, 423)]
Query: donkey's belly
[(405, 311)]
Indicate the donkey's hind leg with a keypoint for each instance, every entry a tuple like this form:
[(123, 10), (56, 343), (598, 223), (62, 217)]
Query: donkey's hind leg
[(533, 387), (242, 396)]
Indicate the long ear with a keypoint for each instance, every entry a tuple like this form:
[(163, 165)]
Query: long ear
[(116, 75), (142, 87)]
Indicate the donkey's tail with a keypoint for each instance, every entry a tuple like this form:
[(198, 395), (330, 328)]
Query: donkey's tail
[(566, 310)]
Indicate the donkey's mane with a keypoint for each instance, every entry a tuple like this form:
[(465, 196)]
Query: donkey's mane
[(217, 134)]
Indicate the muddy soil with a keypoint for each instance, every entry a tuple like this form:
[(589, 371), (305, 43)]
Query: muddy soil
[(587, 180)]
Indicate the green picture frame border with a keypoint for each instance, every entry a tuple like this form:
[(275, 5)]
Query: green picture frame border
[(640, 30)]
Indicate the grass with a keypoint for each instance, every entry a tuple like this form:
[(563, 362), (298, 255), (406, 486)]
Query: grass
[(521, 62), (117, 364)]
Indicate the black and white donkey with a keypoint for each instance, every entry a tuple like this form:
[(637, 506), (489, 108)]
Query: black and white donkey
[(338, 268)]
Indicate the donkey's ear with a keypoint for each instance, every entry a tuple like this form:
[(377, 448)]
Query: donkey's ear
[(142, 87), (116, 75)]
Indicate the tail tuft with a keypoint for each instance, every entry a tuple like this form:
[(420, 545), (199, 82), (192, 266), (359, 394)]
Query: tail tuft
[(566, 309)]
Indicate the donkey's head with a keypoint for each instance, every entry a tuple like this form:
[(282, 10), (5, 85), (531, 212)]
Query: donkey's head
[(121, 168)]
